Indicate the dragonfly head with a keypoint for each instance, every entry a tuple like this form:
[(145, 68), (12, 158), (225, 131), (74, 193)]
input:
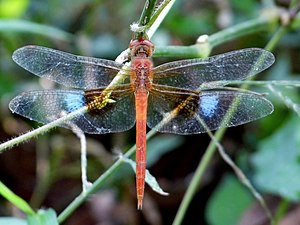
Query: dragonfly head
[(141, 48)]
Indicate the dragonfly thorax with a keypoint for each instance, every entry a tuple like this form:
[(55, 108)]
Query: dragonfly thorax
[(141, 77), (141, 65)]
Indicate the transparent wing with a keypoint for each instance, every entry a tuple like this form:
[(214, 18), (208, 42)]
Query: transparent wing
[(65, 68), (190, 111), (49, 105), (236, 65)]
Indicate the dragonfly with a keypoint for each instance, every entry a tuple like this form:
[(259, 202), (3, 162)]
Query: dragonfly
[(192, 94)]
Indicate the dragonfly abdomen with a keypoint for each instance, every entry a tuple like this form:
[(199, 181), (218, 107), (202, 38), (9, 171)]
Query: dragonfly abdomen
[(141, 98)]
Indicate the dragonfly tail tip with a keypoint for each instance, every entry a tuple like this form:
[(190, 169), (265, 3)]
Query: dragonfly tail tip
[(140, 204)]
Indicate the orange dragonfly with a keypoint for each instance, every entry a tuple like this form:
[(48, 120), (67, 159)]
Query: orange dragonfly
[(187, 90)]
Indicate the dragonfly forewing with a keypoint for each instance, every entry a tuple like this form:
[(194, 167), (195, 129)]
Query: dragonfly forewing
[(192, 73), (185, 113), (68, 69), (46, 106)]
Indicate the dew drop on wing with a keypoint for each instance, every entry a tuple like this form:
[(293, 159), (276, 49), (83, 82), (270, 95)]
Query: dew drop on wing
[(174, 127), (102, 130)]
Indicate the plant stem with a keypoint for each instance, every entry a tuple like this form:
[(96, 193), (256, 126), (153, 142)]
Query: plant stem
[(158, 16), (7, 25), (84, 195), (249, 27), (261, 24), (15, 200), (197, 177), (41, 130), (276, 38), (212, 145), (145, 17), (191, 51), (147, 12), (97, 184), (281, 210)]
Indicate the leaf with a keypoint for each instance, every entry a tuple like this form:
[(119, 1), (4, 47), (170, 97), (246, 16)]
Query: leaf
[(12, 221), (150, 180), (228, 202), (43, 217), (277, 162), (15, 200)]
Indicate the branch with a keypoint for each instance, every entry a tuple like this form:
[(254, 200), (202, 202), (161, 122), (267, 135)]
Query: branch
[(202, 48)]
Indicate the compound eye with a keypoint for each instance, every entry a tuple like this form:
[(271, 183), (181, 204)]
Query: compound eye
[(134, 43), (141, 41), (148, 43)]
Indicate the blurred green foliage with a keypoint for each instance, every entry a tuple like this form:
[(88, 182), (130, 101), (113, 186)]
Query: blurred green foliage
[(277, 162), (13, 8), (43, 217), (12, 221), (228, 202)]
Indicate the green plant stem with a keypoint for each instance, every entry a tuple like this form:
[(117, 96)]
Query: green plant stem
[(281, 210), (196, 178), (191, 51), (276, 38), (145, 17), (34, 28), (158, 16), (211, 150), (43, 173), (41, 130), (84, 195), (15, 200), (158, 12), (147, 12), (261, 24), (218, 135), (97, 184)]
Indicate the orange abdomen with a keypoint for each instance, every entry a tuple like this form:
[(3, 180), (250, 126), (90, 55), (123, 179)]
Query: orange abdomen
[(141, 98)]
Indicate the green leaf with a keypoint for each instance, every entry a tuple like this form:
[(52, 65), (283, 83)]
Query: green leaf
[(43, 217), (277, 162), (16, 200), (228, 202), (12, 221)]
